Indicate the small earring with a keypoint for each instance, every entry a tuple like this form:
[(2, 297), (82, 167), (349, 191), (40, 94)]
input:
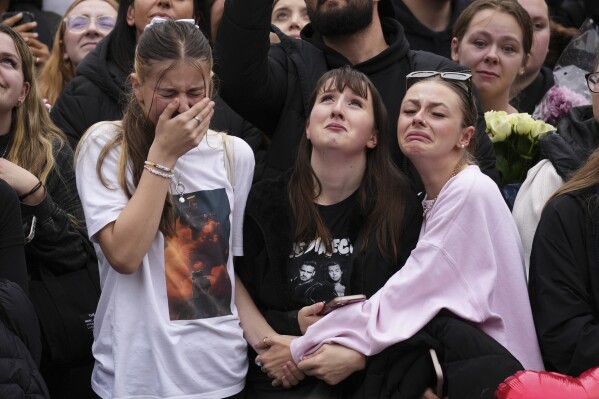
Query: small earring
[(462, 146), (19, 102)]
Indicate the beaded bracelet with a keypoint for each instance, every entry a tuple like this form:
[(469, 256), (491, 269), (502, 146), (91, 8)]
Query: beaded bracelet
[(33, 190), (159, 173), (161, 167)]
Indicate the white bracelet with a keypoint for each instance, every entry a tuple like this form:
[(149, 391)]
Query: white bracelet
[(158, 173)]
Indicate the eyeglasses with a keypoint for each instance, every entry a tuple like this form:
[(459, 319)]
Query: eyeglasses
[(80, 23), (415, 76), (593, 81)]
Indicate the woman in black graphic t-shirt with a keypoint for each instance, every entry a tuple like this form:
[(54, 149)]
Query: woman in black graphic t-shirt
[(343, 202)]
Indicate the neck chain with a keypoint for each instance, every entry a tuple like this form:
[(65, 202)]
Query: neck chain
[(6, 149), (429, 206)]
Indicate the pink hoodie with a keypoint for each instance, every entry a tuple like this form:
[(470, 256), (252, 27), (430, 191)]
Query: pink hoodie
[(468, 261)]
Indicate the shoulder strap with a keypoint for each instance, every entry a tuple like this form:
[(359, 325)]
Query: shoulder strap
[(229, 147)]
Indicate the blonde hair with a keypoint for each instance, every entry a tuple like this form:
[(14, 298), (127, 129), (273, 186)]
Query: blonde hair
[(33, 132), (59, 71)]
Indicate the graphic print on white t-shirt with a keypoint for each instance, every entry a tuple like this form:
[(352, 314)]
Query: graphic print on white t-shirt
[(198, 285)]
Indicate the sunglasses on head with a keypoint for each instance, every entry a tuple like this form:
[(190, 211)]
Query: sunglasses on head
[(415, 76)]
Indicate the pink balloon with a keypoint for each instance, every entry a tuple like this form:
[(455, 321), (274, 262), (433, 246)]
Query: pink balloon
[(530, 384)]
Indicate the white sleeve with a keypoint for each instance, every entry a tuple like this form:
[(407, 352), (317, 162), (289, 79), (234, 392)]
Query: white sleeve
[(104, 200), (541, 182), (244, 173)]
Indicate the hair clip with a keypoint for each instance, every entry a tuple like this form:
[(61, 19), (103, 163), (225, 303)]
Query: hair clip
[(159, 20)]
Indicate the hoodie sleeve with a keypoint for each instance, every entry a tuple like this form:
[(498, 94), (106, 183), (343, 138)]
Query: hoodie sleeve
[(252, 78), (442, 272)]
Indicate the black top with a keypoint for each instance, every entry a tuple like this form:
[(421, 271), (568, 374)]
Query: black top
[(564, 282), (422, 38)]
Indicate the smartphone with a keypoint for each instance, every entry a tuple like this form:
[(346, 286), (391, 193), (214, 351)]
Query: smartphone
[(27, 16), (341, 301)]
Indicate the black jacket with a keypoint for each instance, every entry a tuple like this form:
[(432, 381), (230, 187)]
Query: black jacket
[(576, 138), (564, 282), (60, 239), (473, 364), (270, 85), (20, 345), (12, 240), (422, 38), (99, 93)]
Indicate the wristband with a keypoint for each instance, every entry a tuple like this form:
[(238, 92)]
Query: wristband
[(33, 190)]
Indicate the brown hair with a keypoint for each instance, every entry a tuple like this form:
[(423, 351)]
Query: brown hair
[(173, 41), (33, 132), (382, 190), (510, 7), (59, 71)]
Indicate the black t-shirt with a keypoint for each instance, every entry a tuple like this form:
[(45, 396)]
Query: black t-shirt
[(316, 275)]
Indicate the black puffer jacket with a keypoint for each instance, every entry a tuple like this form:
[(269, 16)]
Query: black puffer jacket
[(576, 138), (270, 85), (99, 93), (20, 346)]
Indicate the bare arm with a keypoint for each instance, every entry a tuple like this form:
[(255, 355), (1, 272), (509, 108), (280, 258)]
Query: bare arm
[(125, 241)]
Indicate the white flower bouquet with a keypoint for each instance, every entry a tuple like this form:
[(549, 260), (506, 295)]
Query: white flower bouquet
[(515, 138)]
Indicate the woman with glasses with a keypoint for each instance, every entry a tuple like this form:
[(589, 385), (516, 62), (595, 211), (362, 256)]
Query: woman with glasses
[(564, 151), (564, 272), (86, 22), (494, 39), (468, 260)]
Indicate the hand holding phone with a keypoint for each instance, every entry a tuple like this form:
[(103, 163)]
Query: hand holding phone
[(9, 19), (340, 301)]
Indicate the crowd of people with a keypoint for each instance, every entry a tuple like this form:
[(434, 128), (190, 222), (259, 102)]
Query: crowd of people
[(184, 185)]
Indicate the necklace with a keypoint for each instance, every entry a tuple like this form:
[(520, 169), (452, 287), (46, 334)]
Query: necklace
[(428, 207), (6, 149)]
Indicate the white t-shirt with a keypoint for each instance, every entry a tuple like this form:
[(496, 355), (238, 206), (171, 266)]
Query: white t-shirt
[(170, 329)]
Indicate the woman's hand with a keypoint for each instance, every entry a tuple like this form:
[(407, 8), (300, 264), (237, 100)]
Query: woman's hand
[(277, 362), (21, 180), (39, 50), (332, 363), (176, 135), (308, 315)]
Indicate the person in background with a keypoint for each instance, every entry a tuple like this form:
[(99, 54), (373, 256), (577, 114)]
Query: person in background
[(563, 152), (37, 34), (531, 86), (564, 278), (344, 201), (166, 220), (86, 22), (98, 91), (37, 163), (290, 16), (269, 84), (494, 39), (428, 24), (463, 210)]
